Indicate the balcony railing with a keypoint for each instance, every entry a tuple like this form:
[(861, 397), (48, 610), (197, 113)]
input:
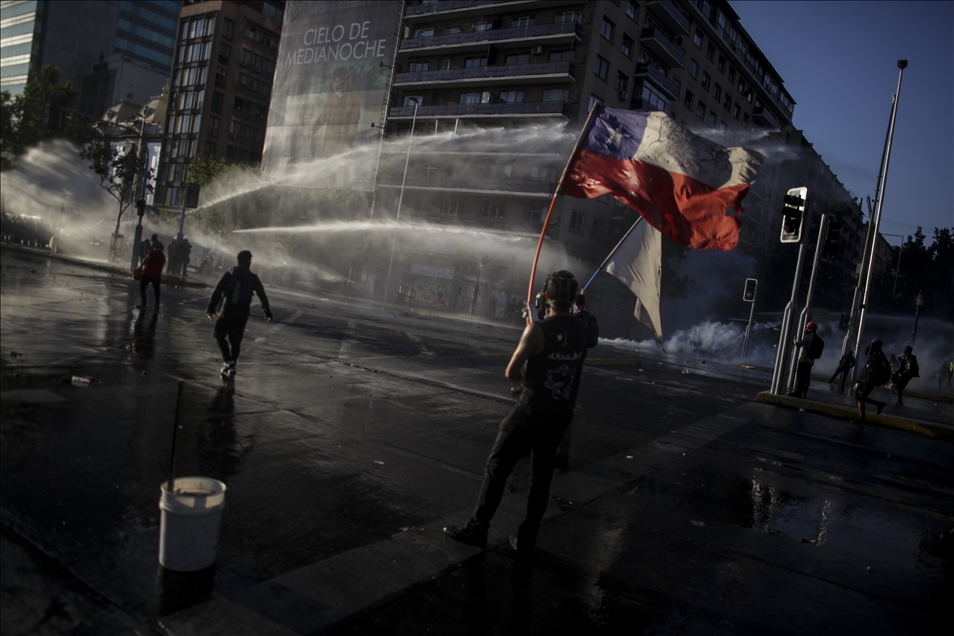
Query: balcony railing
[(493, 35), (666, 12), (765, 116), (657, 42), (424, 8), (480, 110), (657, 77), (487, 72)]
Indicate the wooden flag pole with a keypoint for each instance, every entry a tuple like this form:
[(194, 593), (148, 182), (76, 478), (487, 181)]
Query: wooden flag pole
[(546, 221)]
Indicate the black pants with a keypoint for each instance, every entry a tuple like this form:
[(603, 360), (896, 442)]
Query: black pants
[(524, 431), (229, 329), (842, 370), (143, 283), (803, 378), (899, 385)]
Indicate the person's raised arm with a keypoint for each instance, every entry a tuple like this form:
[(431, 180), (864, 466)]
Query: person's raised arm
[(531, 343)]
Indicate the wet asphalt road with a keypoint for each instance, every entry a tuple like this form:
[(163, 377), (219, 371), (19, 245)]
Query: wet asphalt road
[(353, 433)]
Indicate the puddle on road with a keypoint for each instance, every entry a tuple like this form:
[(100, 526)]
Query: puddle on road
[(825, 520)]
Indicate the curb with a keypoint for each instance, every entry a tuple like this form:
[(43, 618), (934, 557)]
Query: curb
[(103, 267), (923, 427)]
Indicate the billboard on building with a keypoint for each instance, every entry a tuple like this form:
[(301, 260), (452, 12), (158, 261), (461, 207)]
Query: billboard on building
[(331, 78)]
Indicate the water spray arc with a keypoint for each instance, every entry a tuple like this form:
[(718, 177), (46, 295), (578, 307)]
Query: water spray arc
[(876, 221)]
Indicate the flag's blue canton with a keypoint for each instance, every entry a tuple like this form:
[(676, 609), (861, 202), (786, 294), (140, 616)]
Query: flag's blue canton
[(617, 134)]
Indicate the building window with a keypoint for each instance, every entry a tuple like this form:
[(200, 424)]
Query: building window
[(594, 100), (717, 92), (687, 102), (556, 94), (577, 222), (741, 86), (271, 11), (745, 119), (221, 75), (541, 173), (710, 51), (706, 80), (727, 102), (693, 69), (736, 112), (214, 126), (697, 38), (701, 110), (527, 20), (568, 16), (451, 207), (631, 9), (410, 100), (653, 97), (721, 126), (608, 30), (424, 33), (217, 100), (721, 65), (511, 97), (517, 58), (444, 65), (417, 67), (731, 75), (470, 98), (490, 208), (711, 120), (451, 30), (560, 56), (475, 62), (627, 46), (622, 84), (225, 53), (602, 68), (483, 26)]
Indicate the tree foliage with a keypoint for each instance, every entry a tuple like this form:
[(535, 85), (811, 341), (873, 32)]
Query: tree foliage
[(204, 170), (922, 269), (41, 112)]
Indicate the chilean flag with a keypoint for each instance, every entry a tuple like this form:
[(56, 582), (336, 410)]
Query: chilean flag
[(682, 184)]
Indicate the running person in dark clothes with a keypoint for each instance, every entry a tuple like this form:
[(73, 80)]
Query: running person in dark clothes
[(235, 287), (554, 349), (152, 271), (876, 372), (907, 370), (844, 366)]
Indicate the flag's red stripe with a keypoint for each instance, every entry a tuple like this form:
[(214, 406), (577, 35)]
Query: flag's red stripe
[(684, 209)]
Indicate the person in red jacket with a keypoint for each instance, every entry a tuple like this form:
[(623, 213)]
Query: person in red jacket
[(152, 271)]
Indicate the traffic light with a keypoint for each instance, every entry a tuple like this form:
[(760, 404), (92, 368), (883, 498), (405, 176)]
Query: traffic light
[(748, 295), (845, 322), (140, 207), (832, 238), (793, 215)]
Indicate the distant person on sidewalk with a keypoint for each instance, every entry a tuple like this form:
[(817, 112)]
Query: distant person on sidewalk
[(946, 371), (184, 254), (234, 290), (907, 369), (811, 347), (877, 371), (152, 271), (554, 349), (844, 366)]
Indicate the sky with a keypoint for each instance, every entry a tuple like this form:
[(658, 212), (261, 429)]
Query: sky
[(838, 61)]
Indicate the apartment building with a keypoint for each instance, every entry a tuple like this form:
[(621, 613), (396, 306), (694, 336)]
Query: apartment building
[(220, 88), (464, 64), (106, 49)]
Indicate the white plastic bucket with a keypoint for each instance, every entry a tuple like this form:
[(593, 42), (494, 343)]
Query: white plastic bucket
[(189, 529)]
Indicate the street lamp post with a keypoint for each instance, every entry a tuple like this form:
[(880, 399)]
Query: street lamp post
[(397, 218), (140, 199), (917, 310)]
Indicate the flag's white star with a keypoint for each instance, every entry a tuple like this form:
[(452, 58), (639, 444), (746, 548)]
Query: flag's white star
[(616, 136)]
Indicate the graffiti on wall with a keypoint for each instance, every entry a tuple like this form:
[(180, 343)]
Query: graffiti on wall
[(432, 293)]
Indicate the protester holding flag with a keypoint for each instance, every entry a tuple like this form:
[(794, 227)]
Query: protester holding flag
[(554, 349)]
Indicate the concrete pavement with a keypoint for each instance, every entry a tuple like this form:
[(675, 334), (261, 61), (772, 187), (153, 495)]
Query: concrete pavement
[(354, 434)]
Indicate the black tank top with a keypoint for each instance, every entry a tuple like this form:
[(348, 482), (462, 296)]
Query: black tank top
[(552, 375)]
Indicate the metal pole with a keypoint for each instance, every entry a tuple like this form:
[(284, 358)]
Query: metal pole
[(917, 310), (783, 340), (397, 218), (175, 435), (902, 64), (134, 259), (748, 327), (806, 311)]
